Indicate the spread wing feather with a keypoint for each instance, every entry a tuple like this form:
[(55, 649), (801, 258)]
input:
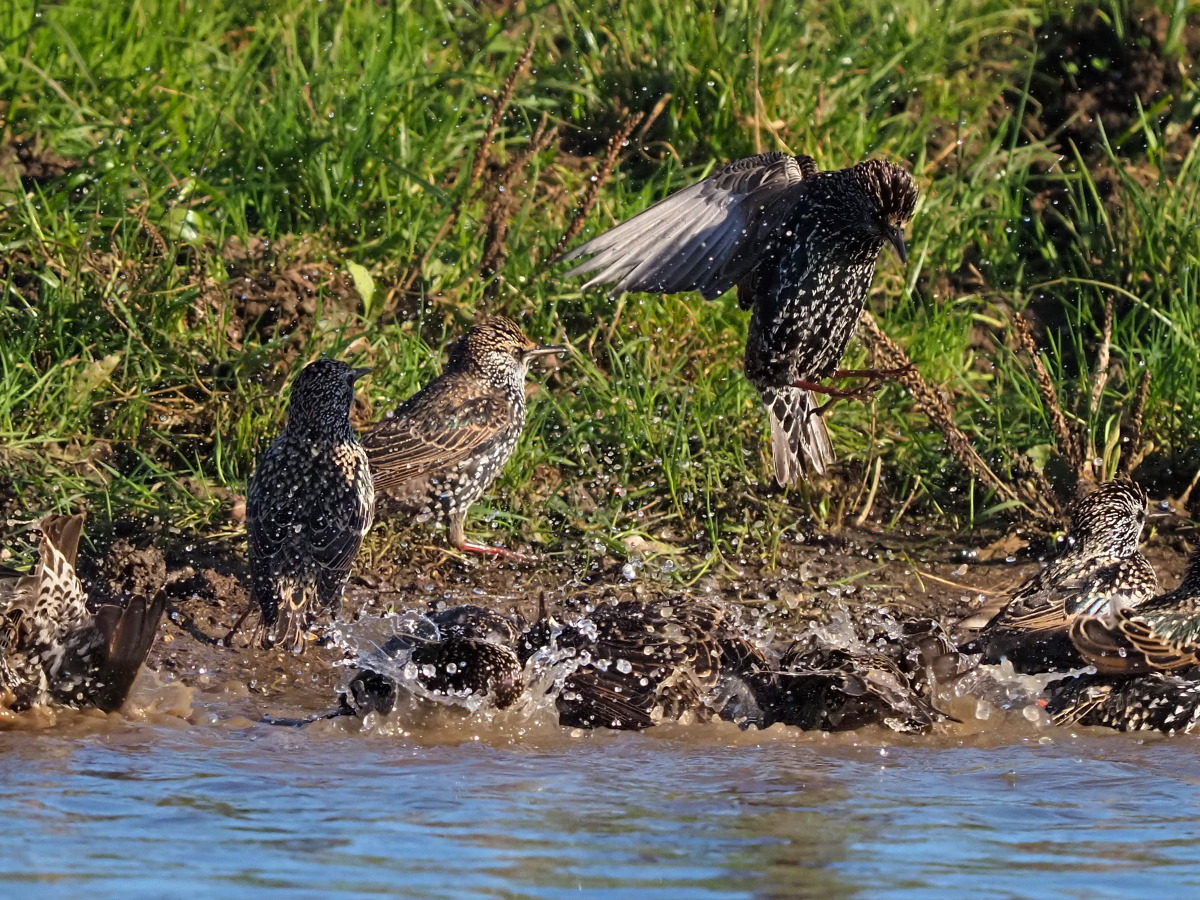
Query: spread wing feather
[(706, 237)]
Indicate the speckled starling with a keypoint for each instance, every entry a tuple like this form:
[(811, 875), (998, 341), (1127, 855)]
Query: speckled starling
[(445, 445), (466, 655), (1157, 701), (799, 245), (1100, 572), (1162, 634), (638, 663), (53, 647), (309, 504), (827, 689)]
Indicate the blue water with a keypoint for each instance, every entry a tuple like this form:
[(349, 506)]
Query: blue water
[(144, 810)]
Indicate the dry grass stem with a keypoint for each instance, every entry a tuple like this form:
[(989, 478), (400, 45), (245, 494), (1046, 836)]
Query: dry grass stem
[(1068, 445), (1137, 413), (603, 173), (503, 99), (942, 417)]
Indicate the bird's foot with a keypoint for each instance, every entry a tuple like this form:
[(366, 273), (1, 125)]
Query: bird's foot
[(501, 552), (875, 374), (828, 390)]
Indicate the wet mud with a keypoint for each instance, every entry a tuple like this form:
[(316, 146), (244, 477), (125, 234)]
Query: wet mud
[(831, 580)]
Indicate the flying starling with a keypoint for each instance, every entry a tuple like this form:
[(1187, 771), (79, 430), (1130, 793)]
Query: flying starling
[(444, 446), (1100, 573), (800, 246), (1162, 634), (53, 647), (1157, 701), (309, 504)]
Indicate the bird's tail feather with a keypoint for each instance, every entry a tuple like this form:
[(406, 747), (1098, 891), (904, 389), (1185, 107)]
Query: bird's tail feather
[(128, 633), (797, 433)]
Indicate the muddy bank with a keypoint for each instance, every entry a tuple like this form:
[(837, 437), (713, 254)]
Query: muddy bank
[(849, 575)]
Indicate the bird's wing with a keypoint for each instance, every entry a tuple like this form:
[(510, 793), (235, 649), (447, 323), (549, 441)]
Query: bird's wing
[(436, 428), (336, 526), (706, 237), (1147, 638)]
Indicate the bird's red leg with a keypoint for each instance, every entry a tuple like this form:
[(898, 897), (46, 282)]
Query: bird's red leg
[(459, 539), (830, 391)]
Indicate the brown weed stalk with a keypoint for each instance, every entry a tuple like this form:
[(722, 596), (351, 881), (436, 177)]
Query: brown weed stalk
[(603, 173), (941, 416)]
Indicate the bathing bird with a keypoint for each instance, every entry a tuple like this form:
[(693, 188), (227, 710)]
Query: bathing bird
[(310, 503), (1100, 572), (53, 647)]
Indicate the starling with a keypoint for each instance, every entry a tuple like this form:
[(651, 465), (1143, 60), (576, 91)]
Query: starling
[(833, 689), (1162, 634), (636, 663), (53, 647), (1157, 701), (309, 504), (444, 446), (799, 245), (1100, 572), (466, 655)]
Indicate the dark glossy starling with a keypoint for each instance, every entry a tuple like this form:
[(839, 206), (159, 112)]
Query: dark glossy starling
[(1101, 571), (799, 245), (53, 647), (635, 664), (1154, 702), (445, 445), (309, 504), (1162, 634), (828, 689), (466, 655)]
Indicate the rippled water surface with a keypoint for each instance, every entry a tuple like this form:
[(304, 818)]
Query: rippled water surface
[(701, 812)]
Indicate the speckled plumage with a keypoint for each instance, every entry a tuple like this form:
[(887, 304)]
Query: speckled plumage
[(53, 647), (800, 245), (1162, 634), (462, 652), (309, 504), (1154, 702), (445, 445), (1101, 571)]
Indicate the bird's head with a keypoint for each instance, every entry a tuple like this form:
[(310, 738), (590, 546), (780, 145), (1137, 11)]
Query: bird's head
[(1110, 518), (497, 349), (891, 199), (323, 394)]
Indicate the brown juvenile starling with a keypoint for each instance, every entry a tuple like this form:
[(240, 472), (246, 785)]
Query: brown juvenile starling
[(309, 504), (1100, 573), (799, 245), (444, 446), (53, 647), (1162, 634)]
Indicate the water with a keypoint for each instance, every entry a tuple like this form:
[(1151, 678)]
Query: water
[(162, 810)]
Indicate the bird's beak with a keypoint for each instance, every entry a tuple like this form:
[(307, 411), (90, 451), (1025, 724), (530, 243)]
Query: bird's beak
[(545, 350), (896, 236), (356, 374)]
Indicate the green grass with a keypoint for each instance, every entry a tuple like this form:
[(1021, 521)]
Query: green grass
[(127, 383)]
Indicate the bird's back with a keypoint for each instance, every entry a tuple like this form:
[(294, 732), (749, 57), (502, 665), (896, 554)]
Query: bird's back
[(443, 446)]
